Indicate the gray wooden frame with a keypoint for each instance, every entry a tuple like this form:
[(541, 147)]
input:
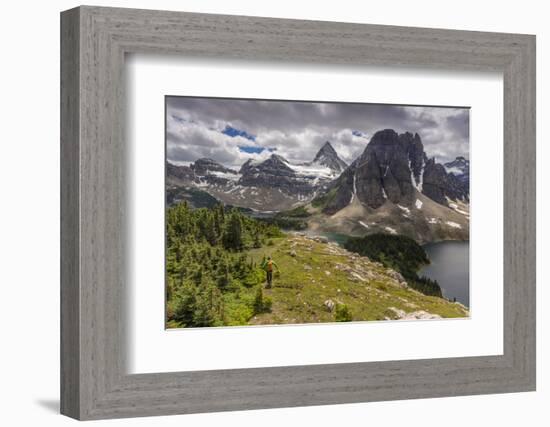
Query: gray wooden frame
[(94, 382)]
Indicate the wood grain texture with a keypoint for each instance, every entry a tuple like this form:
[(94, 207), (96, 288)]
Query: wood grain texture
[(70, 292), (94, 232)]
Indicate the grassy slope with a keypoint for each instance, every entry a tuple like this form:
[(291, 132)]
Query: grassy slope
[(366, 287)]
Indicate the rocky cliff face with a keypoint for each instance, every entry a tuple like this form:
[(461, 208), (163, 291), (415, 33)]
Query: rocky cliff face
[(441, 186), (391, 187), (179, 174), (275, 172), (205, 166), (393, 167)]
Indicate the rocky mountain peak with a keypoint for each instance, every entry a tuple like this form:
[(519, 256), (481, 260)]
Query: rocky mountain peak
[(180, 173), (277, 159), (275, 164), (204, 166), (327, 156), (327, 150), (247, 166), (384, 137), (393, 167), (274, 172), (459, 168)]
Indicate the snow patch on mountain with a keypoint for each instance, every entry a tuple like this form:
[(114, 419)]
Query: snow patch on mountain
[(453, 224), (354, 192), (417, 185), (226, 175), (312, 170), (454, 170), (404, 209)]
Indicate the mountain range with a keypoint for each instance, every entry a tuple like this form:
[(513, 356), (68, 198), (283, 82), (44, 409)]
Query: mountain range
[(392, 186), (274, 184)]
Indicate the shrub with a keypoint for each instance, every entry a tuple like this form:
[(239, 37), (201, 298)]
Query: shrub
[(342, 313), (261, 304), (268, 303)]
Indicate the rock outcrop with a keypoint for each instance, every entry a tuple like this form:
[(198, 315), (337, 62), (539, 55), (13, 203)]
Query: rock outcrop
[(393, 167), (274, 172), (205, 166), (181, 174)]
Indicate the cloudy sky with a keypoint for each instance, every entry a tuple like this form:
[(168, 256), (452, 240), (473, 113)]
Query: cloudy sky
[(231, 131)]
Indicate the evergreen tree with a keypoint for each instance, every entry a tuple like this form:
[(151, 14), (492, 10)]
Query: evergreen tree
[(232, 236), (222, 273), (400, 253), (257, 240), (184, 302), (206, 268), (209, 306)]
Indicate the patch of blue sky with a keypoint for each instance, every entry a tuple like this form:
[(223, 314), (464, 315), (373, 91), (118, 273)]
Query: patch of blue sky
[(233, 132), (250, 149)]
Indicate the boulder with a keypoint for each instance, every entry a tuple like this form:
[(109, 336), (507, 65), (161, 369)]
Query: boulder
[(330, 305)]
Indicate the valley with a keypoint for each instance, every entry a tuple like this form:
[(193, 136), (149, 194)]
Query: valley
[(215, 275), (391, 187), (346, 239)]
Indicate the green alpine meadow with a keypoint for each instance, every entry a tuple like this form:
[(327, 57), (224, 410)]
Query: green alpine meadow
[(216, 275)]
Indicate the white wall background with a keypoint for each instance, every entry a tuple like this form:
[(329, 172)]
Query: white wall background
[(29, 224)]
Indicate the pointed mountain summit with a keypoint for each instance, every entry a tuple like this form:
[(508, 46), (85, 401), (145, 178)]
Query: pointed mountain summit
[(328, 157), (395, 168)]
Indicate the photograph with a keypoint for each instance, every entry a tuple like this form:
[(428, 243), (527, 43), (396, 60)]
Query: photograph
[(286, 212)]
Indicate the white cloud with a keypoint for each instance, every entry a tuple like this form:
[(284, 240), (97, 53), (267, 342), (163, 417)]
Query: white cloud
[(298, 129)]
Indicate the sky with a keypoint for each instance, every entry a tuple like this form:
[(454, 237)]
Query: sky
[(231, 131)]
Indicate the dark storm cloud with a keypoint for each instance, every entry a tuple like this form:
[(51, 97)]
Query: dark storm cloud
[(198, 127)]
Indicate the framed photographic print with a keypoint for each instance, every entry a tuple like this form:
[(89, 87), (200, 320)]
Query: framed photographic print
[(292, 213), (254, 238)]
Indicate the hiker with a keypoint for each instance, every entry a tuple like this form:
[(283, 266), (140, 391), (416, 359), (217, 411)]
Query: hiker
[(268, 267)]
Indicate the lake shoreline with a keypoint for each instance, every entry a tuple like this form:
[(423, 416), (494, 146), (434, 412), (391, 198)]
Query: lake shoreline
[(454, 289), (449, 265)]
